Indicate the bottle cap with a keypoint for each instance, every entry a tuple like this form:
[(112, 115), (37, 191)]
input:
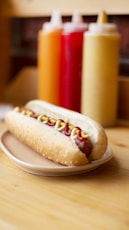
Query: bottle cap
[(55, 22), (76, 23), (102, 25), (102, 28)]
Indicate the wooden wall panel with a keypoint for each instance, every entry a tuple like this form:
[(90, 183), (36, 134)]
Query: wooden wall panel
[(4, 51)]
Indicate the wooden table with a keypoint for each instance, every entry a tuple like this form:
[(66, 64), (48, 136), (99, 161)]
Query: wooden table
[(94, 200)]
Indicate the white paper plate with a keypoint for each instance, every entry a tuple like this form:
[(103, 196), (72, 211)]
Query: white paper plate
[(32, 162)]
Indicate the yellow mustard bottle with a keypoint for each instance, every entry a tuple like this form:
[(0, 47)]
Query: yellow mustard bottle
[(49, 39), (100, 72)]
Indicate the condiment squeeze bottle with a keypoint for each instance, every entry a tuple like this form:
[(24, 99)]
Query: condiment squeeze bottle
[(49, 40), (100, 71), (71, 62)]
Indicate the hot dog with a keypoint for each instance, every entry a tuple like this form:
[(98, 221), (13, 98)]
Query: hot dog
[(61, 135)]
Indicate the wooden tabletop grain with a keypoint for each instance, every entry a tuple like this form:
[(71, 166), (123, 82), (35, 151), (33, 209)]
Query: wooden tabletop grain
[(94, 200)]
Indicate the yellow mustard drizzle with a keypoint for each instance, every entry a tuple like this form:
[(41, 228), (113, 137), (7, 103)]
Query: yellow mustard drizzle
[(58, 124)]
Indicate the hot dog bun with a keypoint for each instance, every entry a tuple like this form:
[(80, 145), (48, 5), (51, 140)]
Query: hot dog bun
[(50, 142)]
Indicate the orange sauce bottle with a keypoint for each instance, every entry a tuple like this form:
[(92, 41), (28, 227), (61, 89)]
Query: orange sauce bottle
[(49, 38)]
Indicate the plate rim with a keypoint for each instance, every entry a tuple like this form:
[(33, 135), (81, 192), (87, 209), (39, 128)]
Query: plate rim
[(60, 169)]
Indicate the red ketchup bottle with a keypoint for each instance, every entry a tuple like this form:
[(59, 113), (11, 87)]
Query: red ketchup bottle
[(71, 63)]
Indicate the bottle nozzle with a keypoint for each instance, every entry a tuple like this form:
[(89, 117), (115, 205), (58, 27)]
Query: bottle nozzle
[(56, 17), (55, 22), (76, 17), (102, 18), (76, 23)]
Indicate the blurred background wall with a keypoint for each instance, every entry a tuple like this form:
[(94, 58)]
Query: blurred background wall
[(20, 22)]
